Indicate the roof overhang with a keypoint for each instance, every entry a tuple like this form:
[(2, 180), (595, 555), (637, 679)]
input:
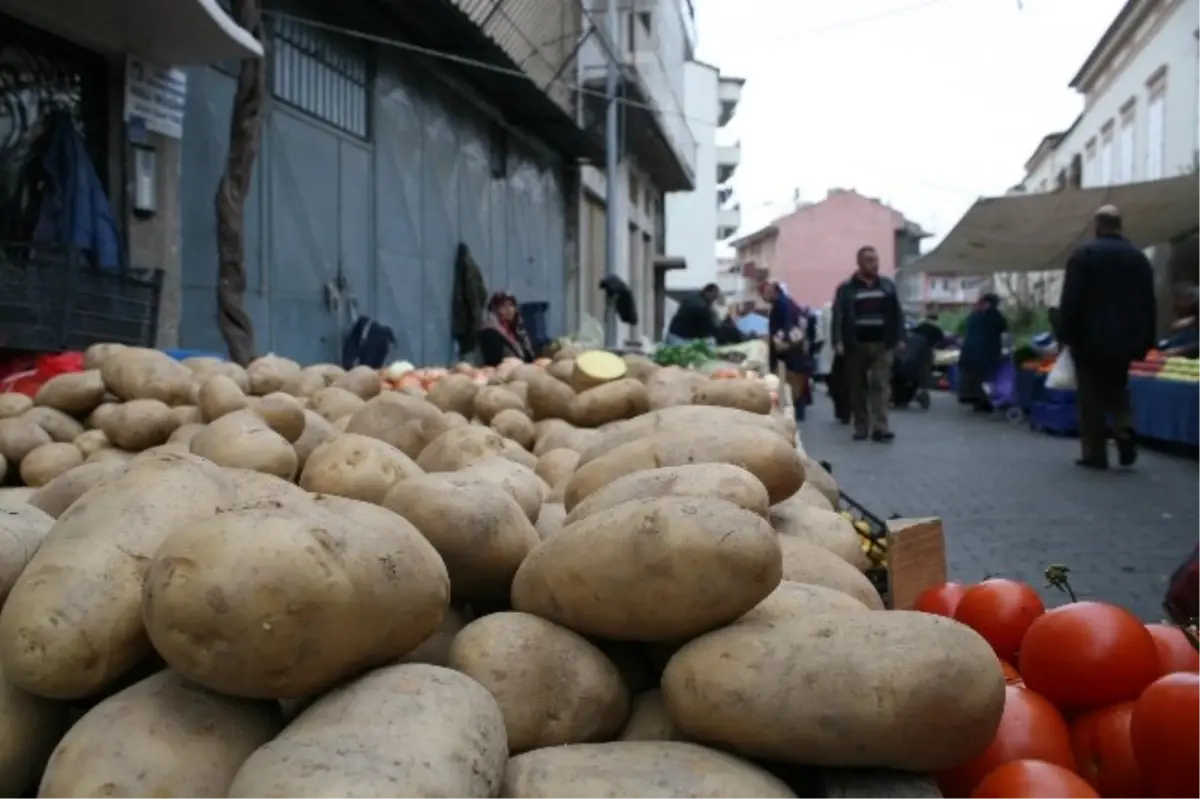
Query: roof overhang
[(762, 234)]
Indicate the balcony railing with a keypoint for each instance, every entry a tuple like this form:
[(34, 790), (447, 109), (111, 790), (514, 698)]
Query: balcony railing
[(729, 94), (728, 222), (728, 158)]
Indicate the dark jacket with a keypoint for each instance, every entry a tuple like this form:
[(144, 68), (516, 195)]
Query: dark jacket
[(983, 341), (694, 319), (367, 344), (729, 333), (1107, 310), (496, 343), (842, 328), (470, 295), (622, 297), (785, 316)]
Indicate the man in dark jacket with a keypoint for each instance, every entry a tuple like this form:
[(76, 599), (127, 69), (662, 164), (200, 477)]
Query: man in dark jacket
[(1107, 319), (695, 320), (867, 329)]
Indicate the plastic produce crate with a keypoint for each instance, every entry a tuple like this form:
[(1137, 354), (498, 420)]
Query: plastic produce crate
[(1054, 418)]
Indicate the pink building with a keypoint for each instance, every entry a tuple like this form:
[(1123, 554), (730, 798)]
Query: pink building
[(812, 249)]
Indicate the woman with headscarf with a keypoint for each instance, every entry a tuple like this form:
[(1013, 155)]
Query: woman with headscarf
[(502, 334), (982, 351), (791, 329)]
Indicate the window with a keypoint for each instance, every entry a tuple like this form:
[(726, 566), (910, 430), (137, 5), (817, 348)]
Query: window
[(322, 74), (1089, 167), (1127, 171), (1156, 127), (1106, 155)]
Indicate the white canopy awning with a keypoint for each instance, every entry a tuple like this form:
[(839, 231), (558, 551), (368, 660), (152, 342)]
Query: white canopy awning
[(1037, 232), (165, 33)]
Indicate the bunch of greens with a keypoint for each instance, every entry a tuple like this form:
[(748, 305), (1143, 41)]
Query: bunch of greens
[(686, 355)]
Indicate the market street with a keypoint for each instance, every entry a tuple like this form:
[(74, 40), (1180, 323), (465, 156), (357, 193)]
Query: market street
[(1013, 501)]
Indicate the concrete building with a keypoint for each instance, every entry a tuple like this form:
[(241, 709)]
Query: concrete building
[(696, 220), (812, 249)]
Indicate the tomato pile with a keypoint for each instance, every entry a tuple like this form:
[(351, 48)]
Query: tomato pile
[(1097, 703)]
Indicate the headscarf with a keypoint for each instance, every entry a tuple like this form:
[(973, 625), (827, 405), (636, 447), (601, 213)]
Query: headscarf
[(512, 329)]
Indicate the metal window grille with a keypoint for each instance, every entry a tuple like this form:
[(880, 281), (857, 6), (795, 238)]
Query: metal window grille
[(322, 74)]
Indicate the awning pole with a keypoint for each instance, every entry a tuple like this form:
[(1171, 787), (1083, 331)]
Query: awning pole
[(612, 165)]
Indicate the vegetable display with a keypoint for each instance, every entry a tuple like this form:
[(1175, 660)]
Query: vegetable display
[(593, 575)]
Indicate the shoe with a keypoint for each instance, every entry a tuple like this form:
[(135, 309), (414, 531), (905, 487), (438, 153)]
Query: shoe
[(860, 436), (883, 437), (1126, 452), (1090, 463)]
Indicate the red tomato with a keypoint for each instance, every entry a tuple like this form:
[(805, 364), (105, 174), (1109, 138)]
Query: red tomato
[(1031, 727), (1104, 751), (941, 600), (1001, 611), (1022, 779), (1165, 730), (1175, 651), (1087, 655), (1011, 675)]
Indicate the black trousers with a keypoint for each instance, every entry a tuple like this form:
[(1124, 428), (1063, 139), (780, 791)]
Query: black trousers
[(839, 388), (1102, 394)]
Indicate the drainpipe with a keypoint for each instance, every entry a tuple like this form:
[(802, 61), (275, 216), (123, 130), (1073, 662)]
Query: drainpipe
[(612, 167)]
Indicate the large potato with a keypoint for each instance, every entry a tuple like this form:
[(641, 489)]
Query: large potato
[(794, 600), (651, 570), (136, 373), (283, 414), (60, 493), (556, 465), (72, 623), (690, 418), (162, 736), (334, 403), (219, 396), (521, 483), (648, 720), (358, 467), (639, 366), (804, 562), (515, 425), (566, 436), (270, 373), (609, 402), (139, 424), (60, 426), (411, 730), (14, 404), (454, 392), (74, 393), (97, 354), (284, 602), (478, 528), (815, 691), (459, 447), (407, 423), (361, 380), (186, 414), (22, 529), (317, 431), (490, 400), (766, 455), (203, 367), (550, 520), (91, 440), (553, 686), (713, 480), (810, 495), (822, 528), (19, 437), (243, 440), (30, 726), (746, 395), (49, 461), (636, 768), (816, 475), (672, 387), (435, 649), (549, 398)]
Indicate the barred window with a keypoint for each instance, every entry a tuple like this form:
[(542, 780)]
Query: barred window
[(321, 73)]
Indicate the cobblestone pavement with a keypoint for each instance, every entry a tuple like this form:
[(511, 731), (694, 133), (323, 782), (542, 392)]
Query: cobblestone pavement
[(1013, 501)]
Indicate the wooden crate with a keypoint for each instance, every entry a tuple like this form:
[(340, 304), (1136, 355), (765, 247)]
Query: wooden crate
[(916, 559)]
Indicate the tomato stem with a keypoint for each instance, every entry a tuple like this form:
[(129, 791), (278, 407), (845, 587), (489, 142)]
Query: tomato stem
[(1189, 630), (1057, 576)]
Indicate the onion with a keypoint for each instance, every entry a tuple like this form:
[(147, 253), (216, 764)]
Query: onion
[(397, 370)]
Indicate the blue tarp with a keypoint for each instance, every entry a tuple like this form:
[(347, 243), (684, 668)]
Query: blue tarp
[(1167, 410), (753, 323)]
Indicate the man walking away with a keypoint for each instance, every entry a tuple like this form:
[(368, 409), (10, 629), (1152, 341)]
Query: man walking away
[(1107, 319), (695, 319), (867, 329)]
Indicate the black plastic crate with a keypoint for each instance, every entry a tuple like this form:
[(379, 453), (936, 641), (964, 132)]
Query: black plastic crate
[(51, 299)]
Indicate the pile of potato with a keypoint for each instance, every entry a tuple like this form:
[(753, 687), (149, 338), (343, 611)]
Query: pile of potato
[(597, 578)]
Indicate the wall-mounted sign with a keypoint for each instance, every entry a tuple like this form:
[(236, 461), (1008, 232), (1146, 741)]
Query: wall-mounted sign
[(155, 95)]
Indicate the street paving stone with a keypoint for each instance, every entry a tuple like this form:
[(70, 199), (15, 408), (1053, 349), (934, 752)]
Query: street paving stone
[(1013, 501)]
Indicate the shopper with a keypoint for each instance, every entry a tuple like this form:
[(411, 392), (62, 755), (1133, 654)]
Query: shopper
[(502, 333), (792, 329), (1107, 319), (868, 328), (982, 350), (695, 319)]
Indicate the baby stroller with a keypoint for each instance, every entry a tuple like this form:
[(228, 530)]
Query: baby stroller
[(912, 370), (1001, 391)]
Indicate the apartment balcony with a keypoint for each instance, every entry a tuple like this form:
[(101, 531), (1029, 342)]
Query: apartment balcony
[(728, 158), (729, 94), (724, 193), (728, 222)]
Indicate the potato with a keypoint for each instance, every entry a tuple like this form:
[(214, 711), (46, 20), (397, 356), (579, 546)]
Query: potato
[(553, 686), (549, 398), (454, 392), (562, 369), (609, 402), (14, 404), (690, 418), (186, 414), (550, 520), (804, 562), (89, 441), (47, 462), (30, 726), (103, 411), (182, 434), (763, 453), (135, 373), (14, 495), (744, 394), (72, 623), (815, 691), (203, 367), (19, 437), (821, 480), (556, 465), (479, 530), (459, 447), (334, 403), (519, 482), (361, 380), (651, 570), (797, 600), (60, 426), (310, 380), (283, 414), (672, 387), (74, 393), (491, 400), (97, 354), (253, 489), (110, 455), (220, 396), (162, 736), (270, 602), (60, 493), (568, 437), (636, 768), (713, 480), (345, 743), (407, 423), (515, 426), (22, 529), (358, 467), (521, 389), (810, 495), (639, 366), (648, 720), (435, 650), (557, 492), (139, 424), (822, 528), (270, 373), (317, 431), (595, 368), (243, 440)]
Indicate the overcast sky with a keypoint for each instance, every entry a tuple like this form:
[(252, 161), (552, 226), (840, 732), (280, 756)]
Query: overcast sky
[(925, 104)]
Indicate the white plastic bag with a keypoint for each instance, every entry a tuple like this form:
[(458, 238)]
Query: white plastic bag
[(1062, 375)]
